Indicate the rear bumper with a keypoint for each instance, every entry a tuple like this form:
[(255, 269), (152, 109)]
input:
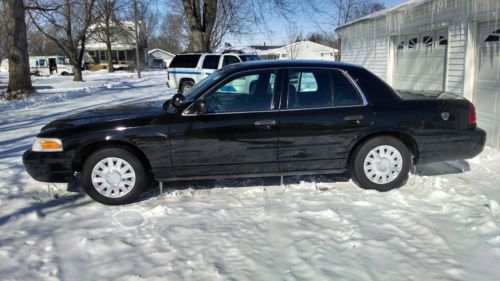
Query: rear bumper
[(456, 145), (48, 166)]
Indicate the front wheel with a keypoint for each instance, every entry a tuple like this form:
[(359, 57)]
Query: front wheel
[(382, 163), (113, 176)]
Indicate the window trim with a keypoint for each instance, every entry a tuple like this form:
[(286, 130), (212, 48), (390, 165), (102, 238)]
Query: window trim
[(275, 107), (284, 107)]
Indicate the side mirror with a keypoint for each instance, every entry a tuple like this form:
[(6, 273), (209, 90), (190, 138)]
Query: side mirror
[(200, 106), (178, 100)]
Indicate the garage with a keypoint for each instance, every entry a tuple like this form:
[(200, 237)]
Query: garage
[(420, 61), (486, 84)]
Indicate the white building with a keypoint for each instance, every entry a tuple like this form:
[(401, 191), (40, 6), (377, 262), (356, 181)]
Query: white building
[(441, 45), (160, 54), (300, 50)]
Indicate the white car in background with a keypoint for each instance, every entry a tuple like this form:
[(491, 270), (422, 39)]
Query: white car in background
[(186, 70)]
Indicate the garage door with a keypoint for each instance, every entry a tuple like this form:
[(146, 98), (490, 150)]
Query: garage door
[(420, 61), (487, 82)]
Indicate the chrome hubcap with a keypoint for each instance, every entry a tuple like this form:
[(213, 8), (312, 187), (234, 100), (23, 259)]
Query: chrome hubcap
[(113, 177), (186, 89), (383, 164)]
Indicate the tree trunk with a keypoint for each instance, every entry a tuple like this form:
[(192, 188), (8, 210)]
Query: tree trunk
[(196, 41), (17, 45), (110, 57), (77, 73)]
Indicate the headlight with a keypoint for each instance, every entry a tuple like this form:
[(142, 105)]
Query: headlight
[(47, 145)]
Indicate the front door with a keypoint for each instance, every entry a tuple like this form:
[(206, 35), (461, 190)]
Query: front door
[(238, 133), (322, 115)]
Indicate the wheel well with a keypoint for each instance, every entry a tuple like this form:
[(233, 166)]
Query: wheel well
[(408, 140), (86, 151)]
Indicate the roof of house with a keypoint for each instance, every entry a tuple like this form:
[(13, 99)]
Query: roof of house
[(403, 6), (160, 50), (284, 48)]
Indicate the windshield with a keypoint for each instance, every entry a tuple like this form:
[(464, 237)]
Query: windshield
[(203, 84), (249, 57)]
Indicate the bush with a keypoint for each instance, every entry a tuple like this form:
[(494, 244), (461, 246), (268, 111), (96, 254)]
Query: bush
[(97, 67)]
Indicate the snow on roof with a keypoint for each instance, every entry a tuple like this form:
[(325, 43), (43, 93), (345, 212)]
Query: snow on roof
[(403, 6), (284, 48), (160, 50)]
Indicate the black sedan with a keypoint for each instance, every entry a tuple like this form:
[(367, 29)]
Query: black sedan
[(259, 119)]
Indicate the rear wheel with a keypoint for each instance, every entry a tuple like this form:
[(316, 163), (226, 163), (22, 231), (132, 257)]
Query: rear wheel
[(113, 176), (186, 86), (381, 163)]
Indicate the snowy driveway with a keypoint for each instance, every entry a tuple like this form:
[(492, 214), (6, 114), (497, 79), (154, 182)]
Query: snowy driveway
[(443, 225)]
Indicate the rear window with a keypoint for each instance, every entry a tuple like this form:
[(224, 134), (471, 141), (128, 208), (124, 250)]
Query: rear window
[(186, 61), (211, 62), (249, 58)]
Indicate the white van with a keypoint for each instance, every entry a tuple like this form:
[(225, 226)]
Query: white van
[(186, 70), (50, 65)]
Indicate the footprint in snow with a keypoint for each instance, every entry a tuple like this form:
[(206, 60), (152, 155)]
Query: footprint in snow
[(129, 218)]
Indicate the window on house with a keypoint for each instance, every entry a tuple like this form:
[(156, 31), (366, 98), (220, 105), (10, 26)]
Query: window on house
[(401, 45), (493, 37), (443, 41), (427, 41), (103, 55), (412, 43), (121, 55)]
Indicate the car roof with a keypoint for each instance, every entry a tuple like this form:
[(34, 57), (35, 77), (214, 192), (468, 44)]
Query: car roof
[(290, 63)]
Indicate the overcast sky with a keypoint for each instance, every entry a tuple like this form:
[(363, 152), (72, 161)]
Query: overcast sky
[(278, 27)]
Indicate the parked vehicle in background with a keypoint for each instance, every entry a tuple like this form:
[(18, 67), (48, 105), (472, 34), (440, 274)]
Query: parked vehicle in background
[(267, 118), (158, 63), (50, 65), (186, 70)]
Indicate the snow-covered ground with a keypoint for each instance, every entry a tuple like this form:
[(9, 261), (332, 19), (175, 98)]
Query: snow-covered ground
[(443, 225)]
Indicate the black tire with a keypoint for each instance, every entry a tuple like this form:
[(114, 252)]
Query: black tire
[(141, 176), (64, 73), (185, 86), (357, 163)]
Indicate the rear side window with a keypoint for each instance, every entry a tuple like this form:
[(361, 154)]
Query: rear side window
[(309, 89), (185, 61), (211, 62), (230, 60), (344, 93)]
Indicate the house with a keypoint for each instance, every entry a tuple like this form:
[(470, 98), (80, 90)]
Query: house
[(298, 50), (122, 44), (159, 54), (434, 45)]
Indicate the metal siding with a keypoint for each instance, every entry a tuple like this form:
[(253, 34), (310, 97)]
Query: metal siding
[(487, 84)]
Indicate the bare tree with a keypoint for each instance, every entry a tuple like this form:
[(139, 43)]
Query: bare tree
[(105, 29), (172, 36), (339, 12), (206, 17), (3, 35), (17, 47), (66, 23), (294, 36)]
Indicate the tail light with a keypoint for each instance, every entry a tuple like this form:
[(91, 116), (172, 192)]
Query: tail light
[(472, 115)]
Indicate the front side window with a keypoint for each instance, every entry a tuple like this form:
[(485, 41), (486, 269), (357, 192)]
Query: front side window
[(251, 92), (211, 62), (230, 60), (309, 89)]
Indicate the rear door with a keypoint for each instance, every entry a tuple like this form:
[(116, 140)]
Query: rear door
[(321, 115), (238, 134)]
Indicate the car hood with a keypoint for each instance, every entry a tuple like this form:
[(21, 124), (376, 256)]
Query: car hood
[(108, 114)]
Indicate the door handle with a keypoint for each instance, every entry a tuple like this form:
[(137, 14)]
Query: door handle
[(265, 123), (353, 118)]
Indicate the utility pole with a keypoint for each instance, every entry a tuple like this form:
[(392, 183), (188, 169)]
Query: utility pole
[(137, 59)]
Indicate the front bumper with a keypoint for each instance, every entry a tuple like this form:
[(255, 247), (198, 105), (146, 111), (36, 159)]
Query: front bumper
[(48, 166)]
